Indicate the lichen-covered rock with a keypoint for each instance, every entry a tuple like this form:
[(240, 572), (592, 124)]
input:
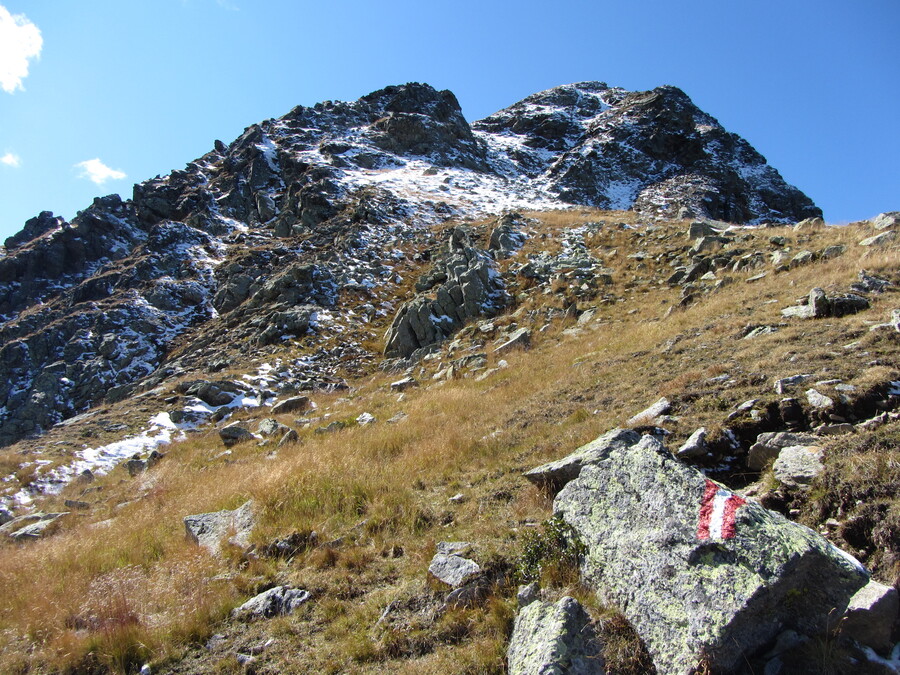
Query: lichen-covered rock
[(210, 529), (554, 475), (554, 639), (699, 572)]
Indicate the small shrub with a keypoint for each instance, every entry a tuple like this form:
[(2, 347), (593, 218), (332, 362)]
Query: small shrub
[(552, 555)]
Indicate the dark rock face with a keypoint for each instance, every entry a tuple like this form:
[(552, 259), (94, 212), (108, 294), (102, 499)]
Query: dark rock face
[(652, 151), (258, 238)]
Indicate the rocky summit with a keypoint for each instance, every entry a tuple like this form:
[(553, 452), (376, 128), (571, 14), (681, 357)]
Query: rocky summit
[(261, 236), (583, 386)]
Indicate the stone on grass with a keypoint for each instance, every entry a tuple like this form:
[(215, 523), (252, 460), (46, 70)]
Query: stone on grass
[(698, 571), (31, 526), (291, 405), (554, 638), (5, 516), (271, 427), (209, 529), (798, 465), (366, 418), (404, 384), (695, 445), (770, 443), (235, 433), (882, 239), (553, 475), (520, 338), (819, 401), (276, 601), (453, 570), (785, 383), (290, 436), (886, 221), (651, 414), (871, 615), (528, 593)]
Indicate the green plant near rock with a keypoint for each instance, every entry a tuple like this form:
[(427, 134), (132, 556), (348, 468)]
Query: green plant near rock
[(552, 555)]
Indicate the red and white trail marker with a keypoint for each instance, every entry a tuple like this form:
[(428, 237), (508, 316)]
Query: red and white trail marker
[(717, 509)]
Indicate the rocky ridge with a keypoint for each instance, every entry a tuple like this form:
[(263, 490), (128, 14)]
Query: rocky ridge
[(296, 224)]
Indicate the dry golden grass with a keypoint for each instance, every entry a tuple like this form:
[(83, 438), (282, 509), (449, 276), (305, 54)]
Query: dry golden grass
[(119, 584)]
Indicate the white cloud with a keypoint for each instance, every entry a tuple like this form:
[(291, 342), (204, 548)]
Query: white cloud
[(20, 40), (98, 172), (11, 159)]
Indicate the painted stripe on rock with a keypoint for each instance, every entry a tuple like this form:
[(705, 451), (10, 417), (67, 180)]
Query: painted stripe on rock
[(717, 512)]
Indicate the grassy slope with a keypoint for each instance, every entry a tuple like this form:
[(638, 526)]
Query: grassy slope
[(118, 584)]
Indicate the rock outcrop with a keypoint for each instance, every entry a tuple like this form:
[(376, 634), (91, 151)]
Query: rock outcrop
[(464, 284)]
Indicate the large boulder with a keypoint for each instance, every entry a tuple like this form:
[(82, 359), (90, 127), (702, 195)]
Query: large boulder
[(702, 574), (554, 639)]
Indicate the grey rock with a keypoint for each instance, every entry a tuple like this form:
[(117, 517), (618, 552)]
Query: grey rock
[(798, 465), (5, 516), (784, 383), (819, 401), (833, 251), (272, 427), (886, 221), (694, 581), (453, 547), (651, 414), (798, 312), (506, 237), (882, 239), (770, 443), (209, 529), (32, 526), (404, 384), (695, 445), (235, 433), (291, 436), (519, 338), (554, 639), (453, 570), (464, 284), (818, 301), (814, 223), (277, 601), (802, 258), (528, 593), (552, 476), (871, 614), (291, 405), (701, 228)]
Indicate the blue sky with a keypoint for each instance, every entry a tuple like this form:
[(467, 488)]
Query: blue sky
[(119, 91)]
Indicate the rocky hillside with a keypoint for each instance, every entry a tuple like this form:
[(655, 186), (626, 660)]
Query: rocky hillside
[(374, 390), (298, 222)]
